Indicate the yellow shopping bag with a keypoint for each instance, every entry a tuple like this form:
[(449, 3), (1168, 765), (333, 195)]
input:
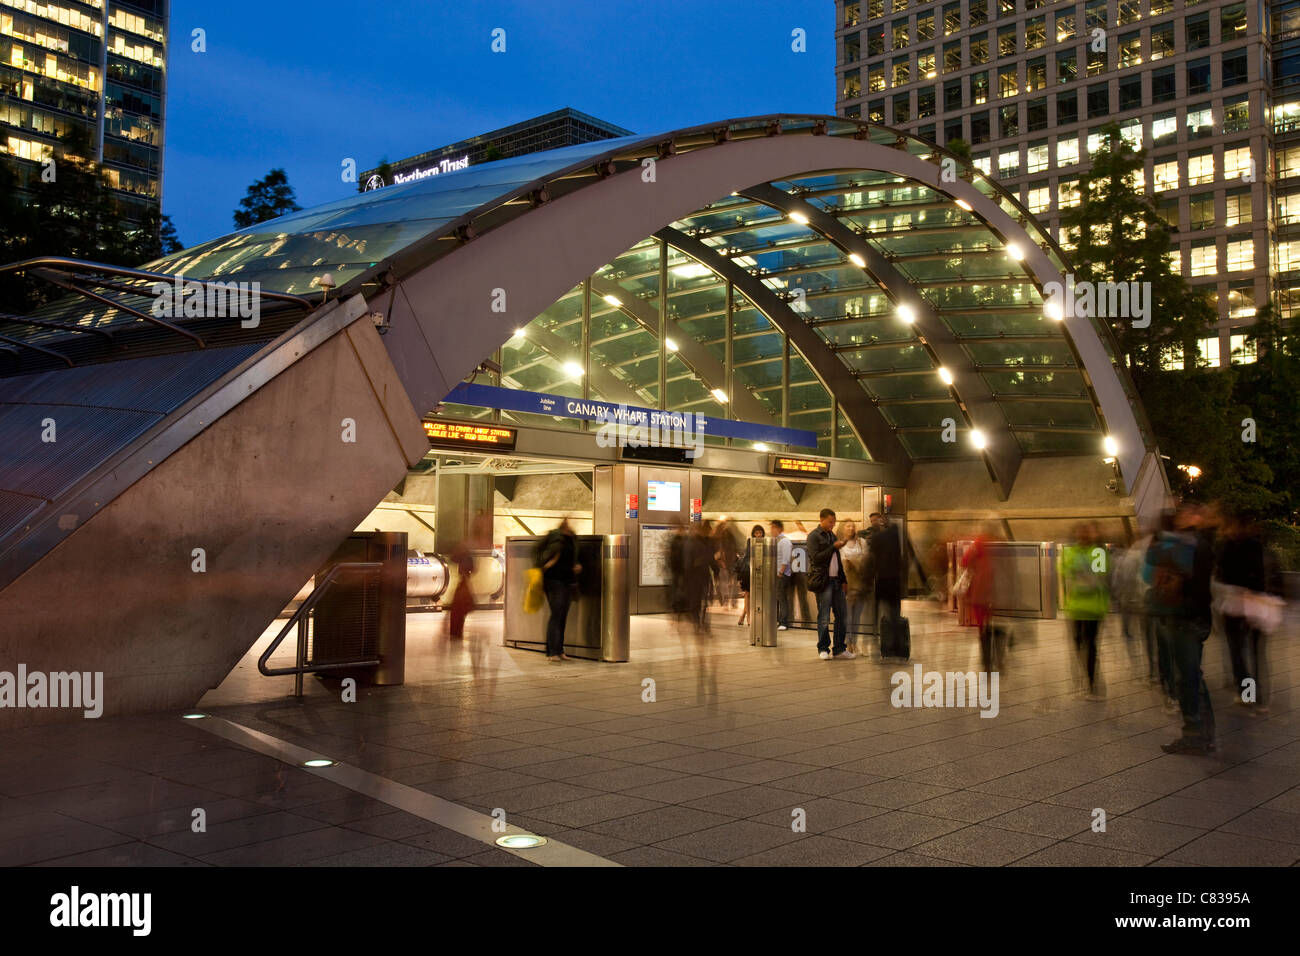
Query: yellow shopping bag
[(533, 594)]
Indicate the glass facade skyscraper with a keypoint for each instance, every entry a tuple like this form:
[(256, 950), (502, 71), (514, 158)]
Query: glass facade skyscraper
[(1210, 89), (98, 66)]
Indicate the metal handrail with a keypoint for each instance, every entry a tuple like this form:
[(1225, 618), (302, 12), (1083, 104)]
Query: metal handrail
[(300, 619)]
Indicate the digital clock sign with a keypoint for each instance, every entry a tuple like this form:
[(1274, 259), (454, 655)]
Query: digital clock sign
[(800, 467), (466, 435)]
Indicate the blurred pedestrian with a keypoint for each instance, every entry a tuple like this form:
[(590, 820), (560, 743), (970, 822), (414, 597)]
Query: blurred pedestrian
[(742, 572), (699, 564), (462, 599), (979, 599), (726, 553), (1178, 568), (677, 573), (826, 580), (887, 558), (1243, 582), (856, 557), (1130, 592), (784, 550), (558, 559), (1084, 569)]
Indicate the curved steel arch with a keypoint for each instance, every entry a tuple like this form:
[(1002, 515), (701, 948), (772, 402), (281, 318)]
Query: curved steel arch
[(974, 397), (876, 433), (493, 281)]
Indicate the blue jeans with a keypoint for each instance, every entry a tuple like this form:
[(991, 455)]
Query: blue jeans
[(1193, 695), (831, 598), (783, 599)]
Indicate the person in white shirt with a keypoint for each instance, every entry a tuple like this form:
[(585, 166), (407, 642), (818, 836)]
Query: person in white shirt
[(784, 547)]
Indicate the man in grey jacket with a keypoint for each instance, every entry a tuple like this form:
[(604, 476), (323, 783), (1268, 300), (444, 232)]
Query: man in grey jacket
[(826, 579)]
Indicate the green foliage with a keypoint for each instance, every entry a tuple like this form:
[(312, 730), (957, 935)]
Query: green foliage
[(268, 198), (74, 214), (1120, 237), (1284, 541)]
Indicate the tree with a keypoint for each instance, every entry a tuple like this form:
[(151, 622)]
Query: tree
[(384, 171), (268, 198), (1120, 237), (1268, 392)]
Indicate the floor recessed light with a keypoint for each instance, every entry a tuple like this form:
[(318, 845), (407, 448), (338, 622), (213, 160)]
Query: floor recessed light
[(193, 716), (318, 762), (521, 841)]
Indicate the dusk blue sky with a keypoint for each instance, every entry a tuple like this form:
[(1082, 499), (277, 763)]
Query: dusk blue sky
[(303, 84)]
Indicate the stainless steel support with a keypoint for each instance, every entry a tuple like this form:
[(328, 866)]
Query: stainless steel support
[(762, 592)]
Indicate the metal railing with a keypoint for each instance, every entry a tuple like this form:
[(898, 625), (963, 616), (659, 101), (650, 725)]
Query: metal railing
[(301, 618)]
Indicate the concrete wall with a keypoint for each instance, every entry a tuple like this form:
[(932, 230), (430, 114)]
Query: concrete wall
[(268, 490)]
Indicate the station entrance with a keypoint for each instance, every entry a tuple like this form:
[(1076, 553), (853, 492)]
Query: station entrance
[(476, 515)]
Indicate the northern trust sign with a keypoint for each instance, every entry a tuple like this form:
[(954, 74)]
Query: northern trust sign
[(415, 175)]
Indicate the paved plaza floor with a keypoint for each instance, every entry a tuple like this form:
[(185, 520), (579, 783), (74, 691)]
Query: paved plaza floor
[(745, 756)]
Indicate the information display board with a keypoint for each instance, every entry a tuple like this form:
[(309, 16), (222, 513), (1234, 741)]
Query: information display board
[(467, 435), (800, 467), (663, 496), (655, 543)]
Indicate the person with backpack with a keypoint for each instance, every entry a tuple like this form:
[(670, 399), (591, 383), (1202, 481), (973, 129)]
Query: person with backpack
[(1178, 568), (1084, 567), (557, 556)]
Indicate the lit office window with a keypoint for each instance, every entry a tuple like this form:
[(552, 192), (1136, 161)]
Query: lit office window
[(952, 57), (951, 18), (1008, 163), (1202, 210), (1065, 26), (1067, 194), (1239, 210), (1287, 160), (1161, 6), (1095, 14), (1167, 210), (1067, 151), (1200, 121), (984, 164), (979, 12), (1244, 349), (900, 34), (852, 84), (1205, 258), (1162, 41), (1097, 60), (1130, 11), (1175, 259), (979, 88), (1035, 33), (1200, 168), (1286, 116), (876, 79), (1130, 131), (979, 50), (925, 26), (1237, 161), (1241, 300), (1240, 254), (1036, 158), (1165, 175), (1007, 41), (1288, 209), (1008, 81), (1164, 128), (925, 65), (1288, 255), (1130, 49), (1039, 198), (1232, 22), (902, 71), (1207, 351)]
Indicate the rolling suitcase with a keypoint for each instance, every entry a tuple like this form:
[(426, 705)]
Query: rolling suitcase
[(895, 638)]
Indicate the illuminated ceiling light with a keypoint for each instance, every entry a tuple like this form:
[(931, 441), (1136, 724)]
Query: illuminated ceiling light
[(519, 333), (318, 762), (1111, 446), (964, 204), (857, 260), (907, 313), (800, 218), (719, 394), (670, 345), (573, 369), (194, 716), (614, 300), (521, 841), (1053, 311), (978, 440), (945, 375), (691, 270), (760, 446), (1015, 252)]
